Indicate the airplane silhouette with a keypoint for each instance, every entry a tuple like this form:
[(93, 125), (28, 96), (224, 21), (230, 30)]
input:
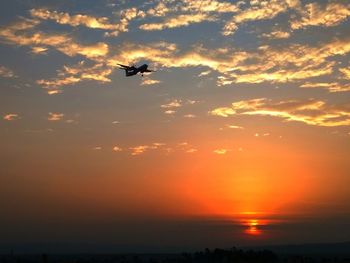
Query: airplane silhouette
[(131, 71)]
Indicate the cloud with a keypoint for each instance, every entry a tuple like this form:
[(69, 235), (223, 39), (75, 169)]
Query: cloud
[(187, 12), (222, 112), (276, 34), (191, 102), (330, 86), (148, 81), (288, 63), (117, 149), (314, 14), (186, 147), (207, 6), (191, 7), (169, 112), (171, 106), (132, 13), (190, 116), (97, 148), (11, 117), (345, 72), (159, 10), (310, 111), (235, 127), (75, 20), (39, 50), (6, 72), (54, 91), (137, 150), (177, 21), (259, 10), (204, 73), (221, 151), (163, 147), (18, 34), (89, 21), (55, 116), (70, 75), (175, 103)]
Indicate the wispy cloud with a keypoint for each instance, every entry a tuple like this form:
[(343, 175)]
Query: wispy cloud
[(137, 150), (309, 111), (117, 149), (39, 50), (97, 148), (210, 6), (191, 150), (147, 81), (70, 75), (278, 34), (89, 21), (170, 112), (163, 148), (221, 151), (259, 10), (54, 116), (230, 126), (75, 20), (22, 33), (190, 116), (204, 73), (11, 117), (292, 62), (177, 21), (187, 12), (315, 14), (345, 72), (330, 86), (160, 10), (6, 72), (175, 103)]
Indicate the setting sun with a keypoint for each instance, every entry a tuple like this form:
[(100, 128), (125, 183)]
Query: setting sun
[(252, 226)]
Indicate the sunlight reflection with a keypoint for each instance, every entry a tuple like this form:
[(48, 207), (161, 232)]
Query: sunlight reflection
[(252, 226)]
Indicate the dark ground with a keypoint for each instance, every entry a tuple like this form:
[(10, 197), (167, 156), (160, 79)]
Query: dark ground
[(313, 253)]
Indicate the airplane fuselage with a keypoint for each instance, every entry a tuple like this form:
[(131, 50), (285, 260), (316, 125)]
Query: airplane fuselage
[(133, 70)]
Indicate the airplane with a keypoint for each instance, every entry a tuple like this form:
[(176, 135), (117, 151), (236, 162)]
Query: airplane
[(131, 71)]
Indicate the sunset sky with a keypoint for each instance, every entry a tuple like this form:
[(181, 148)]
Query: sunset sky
[(241, 136)]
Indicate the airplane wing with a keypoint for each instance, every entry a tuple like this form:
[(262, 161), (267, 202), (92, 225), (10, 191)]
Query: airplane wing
[(123, 66), (149, 70)]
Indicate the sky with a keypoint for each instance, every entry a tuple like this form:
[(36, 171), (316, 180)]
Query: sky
[(240, 137)]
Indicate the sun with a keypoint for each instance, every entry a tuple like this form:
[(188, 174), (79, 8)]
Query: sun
[(252, 227)]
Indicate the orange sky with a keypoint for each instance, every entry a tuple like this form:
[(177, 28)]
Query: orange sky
[(240, 136)]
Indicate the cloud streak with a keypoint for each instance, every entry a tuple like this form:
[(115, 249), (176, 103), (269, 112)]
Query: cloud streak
[(309, 111), (292, 62), (54, 116), (330, 86), (22, 33), (259, 10), (6, 72), (11, 117), (71, 75), (177, 21), (314, 14)]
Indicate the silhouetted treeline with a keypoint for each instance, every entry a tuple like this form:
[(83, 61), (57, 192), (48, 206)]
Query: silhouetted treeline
[(227, 256), (217, 255)]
